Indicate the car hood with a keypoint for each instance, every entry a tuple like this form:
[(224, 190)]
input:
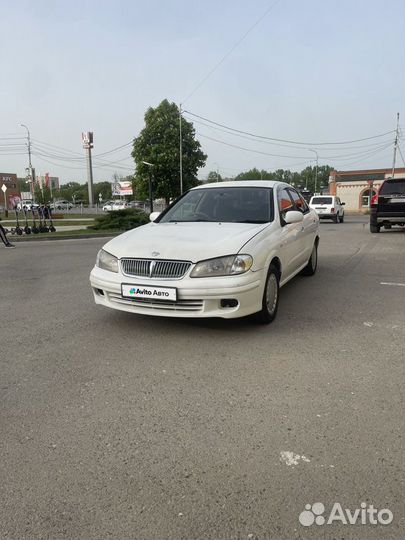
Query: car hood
[(183, 241)]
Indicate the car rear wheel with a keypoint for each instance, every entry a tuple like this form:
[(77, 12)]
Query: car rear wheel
[(374, 228), (270, 297), (312, 265)]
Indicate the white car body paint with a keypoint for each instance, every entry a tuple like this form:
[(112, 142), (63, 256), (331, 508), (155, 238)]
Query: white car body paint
[(291, 244)]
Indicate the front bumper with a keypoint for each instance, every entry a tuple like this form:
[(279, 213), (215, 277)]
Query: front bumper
[(197, 297)]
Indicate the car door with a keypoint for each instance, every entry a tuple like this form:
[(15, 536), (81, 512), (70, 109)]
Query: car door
[(308, 226), (291, 236)]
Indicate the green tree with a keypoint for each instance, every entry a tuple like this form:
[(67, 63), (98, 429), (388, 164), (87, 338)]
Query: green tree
[(103, 188), (214, 176), (158, 143), (252, 174), (42, 196)]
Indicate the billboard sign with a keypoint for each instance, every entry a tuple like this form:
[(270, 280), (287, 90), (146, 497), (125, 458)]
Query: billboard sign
[(122, 188)]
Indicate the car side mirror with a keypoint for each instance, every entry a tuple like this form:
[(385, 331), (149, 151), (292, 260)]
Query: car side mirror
[(293, 216), (154, 215), (342, 203)]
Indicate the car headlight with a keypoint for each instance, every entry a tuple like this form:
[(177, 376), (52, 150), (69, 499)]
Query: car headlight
[(106, 261), (223, 266)]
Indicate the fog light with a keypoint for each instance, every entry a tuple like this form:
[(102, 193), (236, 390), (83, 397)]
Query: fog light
[(229, 302)]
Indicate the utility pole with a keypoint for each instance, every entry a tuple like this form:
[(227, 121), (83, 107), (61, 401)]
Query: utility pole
[(395, 147), (180, 152), (31, 170), (87, 138)]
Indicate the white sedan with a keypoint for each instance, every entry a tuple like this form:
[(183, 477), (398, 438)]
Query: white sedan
[(220, 250), (114, 205)]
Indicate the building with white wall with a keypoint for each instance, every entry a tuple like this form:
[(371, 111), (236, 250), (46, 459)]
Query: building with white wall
[(353, 187)]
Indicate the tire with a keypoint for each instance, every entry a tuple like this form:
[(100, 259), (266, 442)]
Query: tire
[(374, 228), (342, 218), (312, 264), (336, 218), (270, 297)]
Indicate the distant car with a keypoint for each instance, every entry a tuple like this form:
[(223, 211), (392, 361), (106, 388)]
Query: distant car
[(388, 206), (221, 250), (136, 204), (114, 205), (28, 204), (328, 207), (61, 204)]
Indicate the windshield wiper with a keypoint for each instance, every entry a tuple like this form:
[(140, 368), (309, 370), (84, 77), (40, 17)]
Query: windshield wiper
[(253, 221)]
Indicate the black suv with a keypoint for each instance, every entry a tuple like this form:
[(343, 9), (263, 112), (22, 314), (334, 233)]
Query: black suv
[(388, 206)]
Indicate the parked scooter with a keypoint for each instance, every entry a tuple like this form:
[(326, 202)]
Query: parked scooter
[(34, 227), (18, 230), (27, 228), (51, 227), (42, 223)]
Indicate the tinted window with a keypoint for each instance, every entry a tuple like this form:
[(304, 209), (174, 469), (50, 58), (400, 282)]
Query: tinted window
[(393, 187), (321, 200), (284, 202), (228, 204), (299, 202)]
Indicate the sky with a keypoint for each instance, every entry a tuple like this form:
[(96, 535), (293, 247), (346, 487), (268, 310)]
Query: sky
[(314, 71)]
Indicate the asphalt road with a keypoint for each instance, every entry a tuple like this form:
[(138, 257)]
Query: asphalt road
[(121, 426)]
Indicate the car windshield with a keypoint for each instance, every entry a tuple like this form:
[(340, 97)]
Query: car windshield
[(393, 187), (321, 200), (223, 204)]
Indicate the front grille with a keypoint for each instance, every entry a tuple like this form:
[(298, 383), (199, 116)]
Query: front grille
[(155, 268), (148, 304)]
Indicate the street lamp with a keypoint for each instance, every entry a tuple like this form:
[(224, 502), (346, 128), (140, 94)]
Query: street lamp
[(150, 185), (316, 168), (31, 170)]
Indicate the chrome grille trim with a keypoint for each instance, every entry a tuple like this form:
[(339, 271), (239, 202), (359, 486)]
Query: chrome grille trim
[(155, 268), (179, 305)]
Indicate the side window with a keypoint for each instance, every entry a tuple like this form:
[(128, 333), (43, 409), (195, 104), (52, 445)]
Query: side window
[(284, 202), (299, 202)]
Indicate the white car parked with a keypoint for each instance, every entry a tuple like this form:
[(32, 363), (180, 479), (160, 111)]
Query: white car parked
[(328, 207), (28, 204), (221, 250), (114, 205)]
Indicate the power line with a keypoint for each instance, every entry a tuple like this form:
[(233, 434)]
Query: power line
[(338, 158), (114, 149), (222, 60), (251, 138), (400, 153), (286, 140)]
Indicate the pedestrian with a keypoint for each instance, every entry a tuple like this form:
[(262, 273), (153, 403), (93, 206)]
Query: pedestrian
[(3, 236)]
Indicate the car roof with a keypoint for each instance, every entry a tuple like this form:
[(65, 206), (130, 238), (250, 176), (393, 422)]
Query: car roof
[(242, 183)]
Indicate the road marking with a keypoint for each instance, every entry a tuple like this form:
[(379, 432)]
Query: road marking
[(392, 284)]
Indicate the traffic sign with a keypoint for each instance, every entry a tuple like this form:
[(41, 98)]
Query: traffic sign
[(4, 188)]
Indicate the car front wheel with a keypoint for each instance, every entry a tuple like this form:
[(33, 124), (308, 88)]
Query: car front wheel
[(312, 265), (270, 297)]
